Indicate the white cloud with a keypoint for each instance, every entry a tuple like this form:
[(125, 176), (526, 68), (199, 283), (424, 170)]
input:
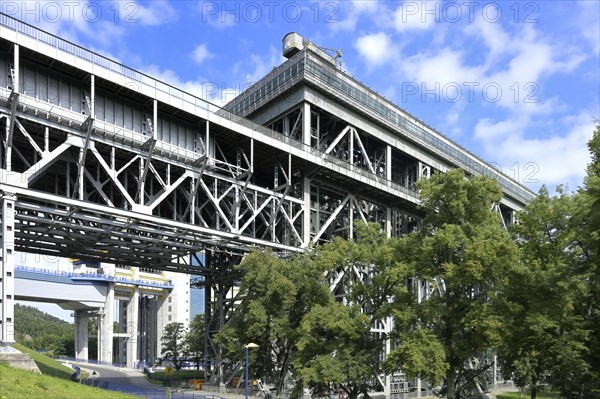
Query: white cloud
[(243, 74), (376, 48), (253, 67), (156, 12), (357, 9), (587, 21), (444, 66), (551, 160), (413, 15), (199, 87), (201, 53)]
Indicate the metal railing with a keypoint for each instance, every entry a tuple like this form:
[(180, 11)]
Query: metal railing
[(145, 84), (94, 276)]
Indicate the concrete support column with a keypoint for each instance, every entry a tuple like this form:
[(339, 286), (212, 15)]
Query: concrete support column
[(306, 219), (133, 311), (162, 319), (81, 336), (121, 357), (7, 271), (306, 124), (105, 326), (388, 162)]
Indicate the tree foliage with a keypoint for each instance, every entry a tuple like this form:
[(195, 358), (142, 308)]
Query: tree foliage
[(545, 335), (174, 344), (41, 331), (462, 248), (589, 239), (337, 348), (194, 340), (276, 294), (335, 351)]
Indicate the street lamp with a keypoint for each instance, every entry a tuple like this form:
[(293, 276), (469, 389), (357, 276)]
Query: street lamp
[(248, 346)]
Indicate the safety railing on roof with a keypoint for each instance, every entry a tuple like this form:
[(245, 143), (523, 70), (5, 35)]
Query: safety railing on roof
[(96, 277), (188, 102)]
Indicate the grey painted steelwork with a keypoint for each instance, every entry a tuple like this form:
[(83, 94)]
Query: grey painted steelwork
[(103, 163)]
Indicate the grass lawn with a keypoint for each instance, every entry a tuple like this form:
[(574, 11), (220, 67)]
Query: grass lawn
[(23, 384), (527, 394), (47, 365)]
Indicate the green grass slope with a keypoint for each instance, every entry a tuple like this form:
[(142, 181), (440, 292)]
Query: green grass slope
[(21, 384), (47, 365)]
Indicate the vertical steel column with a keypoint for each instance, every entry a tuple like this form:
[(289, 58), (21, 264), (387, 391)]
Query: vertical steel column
[(7, 275), (306, 124), (306, 219), (351, 146), (388, 222), (46, 139), (93, 97), (155, 119), (17, 67), (388, 162)]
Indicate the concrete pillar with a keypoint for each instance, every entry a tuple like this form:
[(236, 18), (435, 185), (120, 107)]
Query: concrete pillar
[(7, 271), (162, 319), (122, 331), (105, 333), (133, 312), (306, 124), (81, 335)]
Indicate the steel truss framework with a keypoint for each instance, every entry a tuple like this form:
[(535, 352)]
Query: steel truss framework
[(100, 162)]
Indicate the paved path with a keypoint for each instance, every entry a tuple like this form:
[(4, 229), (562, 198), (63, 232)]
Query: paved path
[(134, 382)]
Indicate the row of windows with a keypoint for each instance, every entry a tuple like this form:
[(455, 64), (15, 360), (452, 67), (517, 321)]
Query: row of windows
[(398, 119), (267, 88)]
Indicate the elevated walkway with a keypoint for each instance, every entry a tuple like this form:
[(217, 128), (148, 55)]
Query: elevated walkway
[(73, 291)]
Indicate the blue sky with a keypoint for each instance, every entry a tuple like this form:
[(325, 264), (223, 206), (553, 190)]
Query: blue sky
[(516, 82)]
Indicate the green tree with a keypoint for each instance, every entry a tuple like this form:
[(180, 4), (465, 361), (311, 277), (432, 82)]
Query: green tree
[(464, 251), (545, 337), (589, 239), (275, 295), (335, 350), (195, 339), (173, 344), (365, 274)]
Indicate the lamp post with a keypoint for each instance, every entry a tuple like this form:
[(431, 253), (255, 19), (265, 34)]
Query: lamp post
[(248, 346)]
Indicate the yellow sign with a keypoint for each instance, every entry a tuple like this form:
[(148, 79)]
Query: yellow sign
[(169, 370)]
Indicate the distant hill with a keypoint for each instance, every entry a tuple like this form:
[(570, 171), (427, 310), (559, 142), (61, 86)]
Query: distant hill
[(32, 322), (40, 330)]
